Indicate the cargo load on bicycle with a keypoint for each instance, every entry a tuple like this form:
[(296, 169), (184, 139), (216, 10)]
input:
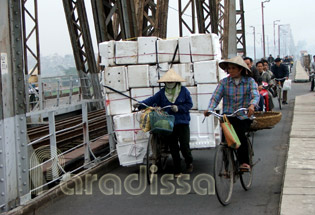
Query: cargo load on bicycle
[(134, 67)]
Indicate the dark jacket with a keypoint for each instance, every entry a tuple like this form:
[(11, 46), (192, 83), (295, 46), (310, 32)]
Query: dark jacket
[(183, 102), (256, 75), (281, 71)]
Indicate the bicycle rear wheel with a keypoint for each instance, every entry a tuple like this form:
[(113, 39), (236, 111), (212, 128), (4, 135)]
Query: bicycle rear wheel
[(312, 84), (247, 177), (279, 97), (223, 174)]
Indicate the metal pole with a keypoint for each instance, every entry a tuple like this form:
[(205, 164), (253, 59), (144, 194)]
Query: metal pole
[(274, 36), (53, 144), (254, 42), (279, 39), (263, 25)]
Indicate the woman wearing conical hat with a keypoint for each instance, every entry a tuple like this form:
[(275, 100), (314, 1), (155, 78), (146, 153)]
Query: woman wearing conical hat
[(180, 100), (238, 90)]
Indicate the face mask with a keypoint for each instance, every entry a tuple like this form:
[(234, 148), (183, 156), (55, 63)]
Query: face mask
[(170, 85)]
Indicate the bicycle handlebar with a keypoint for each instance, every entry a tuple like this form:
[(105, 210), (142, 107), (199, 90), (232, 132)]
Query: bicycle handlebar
[(161, 108), (280, 79), (219, 116)]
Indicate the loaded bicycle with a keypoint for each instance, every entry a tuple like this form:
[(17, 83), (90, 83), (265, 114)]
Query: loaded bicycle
[(279, 90), (160, 125), (226, 166)]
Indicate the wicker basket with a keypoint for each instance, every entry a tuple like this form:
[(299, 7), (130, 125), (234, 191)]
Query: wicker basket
[(265, 120)]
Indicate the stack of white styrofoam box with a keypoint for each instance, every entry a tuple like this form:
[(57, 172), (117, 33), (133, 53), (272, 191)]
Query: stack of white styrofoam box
[(202, 134), (166, 50), (132, 153), (126, 52), (116, 77), (154, 73), (204, 94), (127, 128), (141, 94), (184, 50), (138, 76), (201, 47), (131, 140), (107, 53), (118, 104), (193, 94), (147, 50), (185, 71), (216, 46), (206, 72)]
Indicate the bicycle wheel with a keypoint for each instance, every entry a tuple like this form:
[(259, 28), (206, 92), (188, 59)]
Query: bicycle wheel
[(151, 157), (247, 177), (279, 97), (312, 84), (223, 174)]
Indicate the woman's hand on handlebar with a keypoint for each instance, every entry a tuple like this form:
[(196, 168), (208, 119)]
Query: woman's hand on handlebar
[(206, 113), (251, 110)]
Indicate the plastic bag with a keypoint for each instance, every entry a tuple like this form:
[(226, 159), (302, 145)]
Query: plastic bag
[(286, 85), (230, 135), (145, 120)]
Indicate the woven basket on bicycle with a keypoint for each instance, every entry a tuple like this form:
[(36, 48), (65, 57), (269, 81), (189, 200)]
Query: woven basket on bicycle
[(161, 122), (265, 120)]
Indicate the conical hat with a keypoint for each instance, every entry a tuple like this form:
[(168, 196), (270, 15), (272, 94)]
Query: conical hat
[(171, 76), (238, 60)]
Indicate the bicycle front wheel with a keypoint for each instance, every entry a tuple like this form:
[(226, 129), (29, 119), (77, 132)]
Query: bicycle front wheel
[(279, 97), (247, 177), (223, 174), (312, 84), (151, 157)]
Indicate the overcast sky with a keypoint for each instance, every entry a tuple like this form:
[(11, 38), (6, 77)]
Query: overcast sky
[(54, 37)]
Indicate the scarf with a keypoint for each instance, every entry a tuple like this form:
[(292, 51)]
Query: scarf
[(172, 94)]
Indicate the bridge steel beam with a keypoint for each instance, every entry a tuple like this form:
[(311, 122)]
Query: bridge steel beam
[(14, 159)]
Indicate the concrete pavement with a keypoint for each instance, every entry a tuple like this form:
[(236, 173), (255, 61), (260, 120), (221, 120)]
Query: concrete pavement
[(298, 192)]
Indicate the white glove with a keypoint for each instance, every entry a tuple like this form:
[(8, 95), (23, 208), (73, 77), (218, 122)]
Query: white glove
[(174, 108)]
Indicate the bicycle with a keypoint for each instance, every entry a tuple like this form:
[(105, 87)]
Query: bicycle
[(279, 90), (226, 167), (157, 149)]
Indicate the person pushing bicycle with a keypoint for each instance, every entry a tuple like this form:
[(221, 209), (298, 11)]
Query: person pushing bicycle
[(238, 90), (178, 97)]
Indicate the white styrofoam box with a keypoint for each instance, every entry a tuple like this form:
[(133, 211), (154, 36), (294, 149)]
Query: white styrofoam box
[(146, 50), (185, 71), (107, 53), (201, 47), (141, 94), (206, 72), (126, 52), (216, 47), (127, 128), (166, 49), (202, 135), (153, 74), (184, 50), (132, 153), (193, 94), (116, 77), (138, 76), (118, 104), (204, 94), (222, 74)]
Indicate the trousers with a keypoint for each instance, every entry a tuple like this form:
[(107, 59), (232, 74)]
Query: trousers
[(179, 141), (241, 127)]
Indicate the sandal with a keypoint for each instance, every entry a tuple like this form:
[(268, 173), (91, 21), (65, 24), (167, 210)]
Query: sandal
[(244, 167)]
